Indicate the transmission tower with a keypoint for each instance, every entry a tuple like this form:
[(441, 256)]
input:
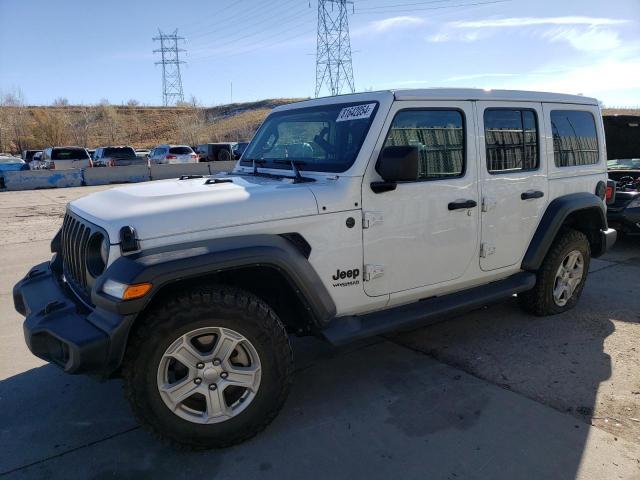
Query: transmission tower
[(333, 53), (170, 60)]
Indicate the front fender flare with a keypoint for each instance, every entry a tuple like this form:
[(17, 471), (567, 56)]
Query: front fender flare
[(165, 265)]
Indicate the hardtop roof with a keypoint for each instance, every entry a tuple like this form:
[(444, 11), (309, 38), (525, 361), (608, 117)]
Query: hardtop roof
[(458, 94)]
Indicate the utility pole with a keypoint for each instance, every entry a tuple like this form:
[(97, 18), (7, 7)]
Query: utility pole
[(333, 53), (170, 60)]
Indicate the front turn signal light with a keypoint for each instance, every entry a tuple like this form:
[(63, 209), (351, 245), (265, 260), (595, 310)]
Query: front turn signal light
[(126, 292), (136, 291)]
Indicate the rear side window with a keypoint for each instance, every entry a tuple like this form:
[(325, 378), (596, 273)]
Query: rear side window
[(511, 138), (69, 154), (439, 136), (574, 138), (180, 150)]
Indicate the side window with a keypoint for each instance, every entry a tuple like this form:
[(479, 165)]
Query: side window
[(574, 138), (439, 136), (511, 138)]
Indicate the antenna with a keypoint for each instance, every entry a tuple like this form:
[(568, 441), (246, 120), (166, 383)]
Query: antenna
[(333, 53), (172, 93)]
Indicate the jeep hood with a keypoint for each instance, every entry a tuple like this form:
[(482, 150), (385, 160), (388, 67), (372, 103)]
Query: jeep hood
[(169, 207)]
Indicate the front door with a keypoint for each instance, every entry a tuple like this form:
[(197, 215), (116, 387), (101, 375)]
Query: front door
[(513, 180), (423, 233)]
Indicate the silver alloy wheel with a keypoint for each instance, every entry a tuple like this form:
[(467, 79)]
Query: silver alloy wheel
[(568, 277), (209, 375)]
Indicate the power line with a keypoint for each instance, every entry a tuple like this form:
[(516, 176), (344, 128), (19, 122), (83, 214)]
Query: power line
[(442, 7), (170, 60), (334, 69)]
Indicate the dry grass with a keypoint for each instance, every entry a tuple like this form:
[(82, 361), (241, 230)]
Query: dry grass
[(140, 127)]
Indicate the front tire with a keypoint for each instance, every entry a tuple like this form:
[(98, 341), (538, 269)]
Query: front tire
[(210, 368), (561, 277)]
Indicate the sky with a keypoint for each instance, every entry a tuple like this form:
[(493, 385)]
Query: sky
[(88, 51)]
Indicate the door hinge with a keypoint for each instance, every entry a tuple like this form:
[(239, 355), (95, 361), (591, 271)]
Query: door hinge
[(372, 271), (486, 250), (488, 204), (369, 219)]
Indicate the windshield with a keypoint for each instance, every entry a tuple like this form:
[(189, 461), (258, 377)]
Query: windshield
[(327, 138), (120, 152), (624, 164), (69, 154)]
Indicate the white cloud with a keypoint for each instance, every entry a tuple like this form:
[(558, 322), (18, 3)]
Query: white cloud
[(587, 34), (477, 76), (395, 23), (531, 21), (591, 40)]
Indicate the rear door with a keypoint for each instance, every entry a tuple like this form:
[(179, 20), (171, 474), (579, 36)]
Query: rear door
[(513, 180), (420, 234)]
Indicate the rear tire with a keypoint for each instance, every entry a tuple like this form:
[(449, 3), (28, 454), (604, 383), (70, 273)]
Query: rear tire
[(561, 277), (196, 421)]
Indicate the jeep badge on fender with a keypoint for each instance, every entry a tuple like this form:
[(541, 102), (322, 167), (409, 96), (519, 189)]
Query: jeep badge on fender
[(196, 318)]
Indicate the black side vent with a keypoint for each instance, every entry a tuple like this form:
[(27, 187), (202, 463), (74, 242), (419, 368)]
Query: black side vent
[(213, 181), (190, 177), (299, 242)]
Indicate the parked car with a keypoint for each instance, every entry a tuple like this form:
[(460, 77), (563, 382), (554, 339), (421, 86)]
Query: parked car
[(623, 150), (220, 152), (36, 162), (65, 158), (168, 154), (347, 217), (27, 155), (91, 152), (117, 157), (12, 164)]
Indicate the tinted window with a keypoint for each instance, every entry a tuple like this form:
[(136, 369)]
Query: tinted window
[(439, 136), (511, 138), (180, 150), (574, 138), (119, 152), (69, 154)]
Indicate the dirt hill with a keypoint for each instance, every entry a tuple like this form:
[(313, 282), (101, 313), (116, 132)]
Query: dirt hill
[(142, 127)]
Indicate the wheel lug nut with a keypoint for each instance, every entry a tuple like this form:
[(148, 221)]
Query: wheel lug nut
[(200, 365), (216, 362), (224, 375), (213, 386), (197, 381)]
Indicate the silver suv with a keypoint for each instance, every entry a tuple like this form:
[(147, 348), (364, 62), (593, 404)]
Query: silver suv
[(168, 154)]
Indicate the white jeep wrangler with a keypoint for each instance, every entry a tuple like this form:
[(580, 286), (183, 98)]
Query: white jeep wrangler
[(346, 217)]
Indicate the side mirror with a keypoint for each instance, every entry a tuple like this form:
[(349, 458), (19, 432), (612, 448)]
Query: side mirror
[(399, 164), (396, 164)]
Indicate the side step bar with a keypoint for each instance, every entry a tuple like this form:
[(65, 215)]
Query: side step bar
[(342, 330)]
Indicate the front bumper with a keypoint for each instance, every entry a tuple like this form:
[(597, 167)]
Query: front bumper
[(62, 330)]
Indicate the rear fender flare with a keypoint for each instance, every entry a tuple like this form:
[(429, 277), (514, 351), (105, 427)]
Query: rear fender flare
[(555, 216)]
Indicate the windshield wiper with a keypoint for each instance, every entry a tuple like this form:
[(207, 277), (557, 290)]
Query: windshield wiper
[(257, 162), (294, 166)]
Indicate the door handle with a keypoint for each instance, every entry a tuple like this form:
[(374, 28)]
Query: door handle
[(529, 194), (462, 204)]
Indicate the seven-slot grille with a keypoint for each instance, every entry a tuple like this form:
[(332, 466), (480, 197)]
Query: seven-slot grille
[(75, 238)]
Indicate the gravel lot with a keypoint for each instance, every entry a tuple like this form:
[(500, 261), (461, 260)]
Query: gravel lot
[(492, 394)]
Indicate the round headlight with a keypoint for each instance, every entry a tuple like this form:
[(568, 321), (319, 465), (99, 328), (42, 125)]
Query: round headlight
[(97, 254)]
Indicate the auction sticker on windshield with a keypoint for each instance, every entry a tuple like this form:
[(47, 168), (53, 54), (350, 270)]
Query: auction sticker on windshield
[(355, 112)]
